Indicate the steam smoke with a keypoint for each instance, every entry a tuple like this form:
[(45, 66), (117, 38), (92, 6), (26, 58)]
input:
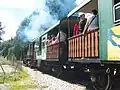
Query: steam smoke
[(60, 8), (42, 18), (38, 23)]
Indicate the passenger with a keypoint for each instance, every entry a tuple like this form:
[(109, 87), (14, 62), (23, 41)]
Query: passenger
[(82, 23), (49, 39), (76, 29), (62, 36), (53, 39), (92, 23)]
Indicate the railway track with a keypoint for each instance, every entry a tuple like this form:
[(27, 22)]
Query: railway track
[(80, 78), (74, 77), (77, 77)]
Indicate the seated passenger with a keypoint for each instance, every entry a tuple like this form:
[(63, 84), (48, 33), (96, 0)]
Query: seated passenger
[(92, 22), (53, 39), (82, 23), (49, 40), (76, 29)]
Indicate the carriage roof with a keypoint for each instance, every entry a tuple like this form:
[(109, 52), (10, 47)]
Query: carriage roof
[(78, 7), (52, 27)]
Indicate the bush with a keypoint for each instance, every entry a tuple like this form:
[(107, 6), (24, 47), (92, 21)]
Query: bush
[(4, 61)]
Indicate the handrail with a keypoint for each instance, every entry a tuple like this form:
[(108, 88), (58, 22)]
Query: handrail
[(53, 44), (53, 51), (81, 34), (84, 45)]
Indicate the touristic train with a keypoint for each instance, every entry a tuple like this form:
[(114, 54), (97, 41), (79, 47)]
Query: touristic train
[(96, 51)]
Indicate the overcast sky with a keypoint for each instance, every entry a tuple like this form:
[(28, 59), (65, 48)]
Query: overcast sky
[(12, 12)]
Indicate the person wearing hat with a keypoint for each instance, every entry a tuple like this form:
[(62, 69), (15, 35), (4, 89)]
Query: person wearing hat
[(82, 22)]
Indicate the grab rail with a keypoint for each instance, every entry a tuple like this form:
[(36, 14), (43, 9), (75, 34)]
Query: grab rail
[(84, 45)]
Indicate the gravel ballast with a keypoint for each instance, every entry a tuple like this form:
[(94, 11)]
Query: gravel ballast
[(48, 82)]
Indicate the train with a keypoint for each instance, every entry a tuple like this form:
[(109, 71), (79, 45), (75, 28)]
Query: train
[(95, 52)]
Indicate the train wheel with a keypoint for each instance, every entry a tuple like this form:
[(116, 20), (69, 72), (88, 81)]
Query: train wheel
[(101, 81), (60, 71), (41, 67), (57, 71)]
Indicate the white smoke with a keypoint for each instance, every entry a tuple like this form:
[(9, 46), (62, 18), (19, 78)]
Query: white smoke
[(43, 18), (60, 8), (38, 23)]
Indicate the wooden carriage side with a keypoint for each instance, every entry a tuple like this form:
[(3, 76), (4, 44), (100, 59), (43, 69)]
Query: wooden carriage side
[(84, 46)]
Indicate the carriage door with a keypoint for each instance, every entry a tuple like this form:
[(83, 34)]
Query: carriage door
[(44, 47)]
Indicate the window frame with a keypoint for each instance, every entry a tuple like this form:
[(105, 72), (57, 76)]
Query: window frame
[(116, 22)]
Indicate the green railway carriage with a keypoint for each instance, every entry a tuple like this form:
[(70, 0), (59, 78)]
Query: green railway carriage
[(96, 51)]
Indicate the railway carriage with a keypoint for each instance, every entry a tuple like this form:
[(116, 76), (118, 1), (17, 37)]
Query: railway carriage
[(31, 55), (96, 51)]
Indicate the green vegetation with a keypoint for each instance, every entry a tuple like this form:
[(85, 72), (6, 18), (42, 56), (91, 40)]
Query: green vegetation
[(19, 80), (44, 86), (4, 61)]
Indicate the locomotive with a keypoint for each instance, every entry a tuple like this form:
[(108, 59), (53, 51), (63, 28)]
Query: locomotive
[(96, 51)]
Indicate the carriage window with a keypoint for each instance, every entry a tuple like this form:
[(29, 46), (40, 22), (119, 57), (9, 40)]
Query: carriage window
[(40, 45), (43, 38), (116, 1), (43, 44), (116, 11)]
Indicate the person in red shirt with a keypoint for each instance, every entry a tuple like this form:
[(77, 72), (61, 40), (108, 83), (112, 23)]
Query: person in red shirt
[(76, 29)]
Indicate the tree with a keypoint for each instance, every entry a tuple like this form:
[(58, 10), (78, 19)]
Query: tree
[(12, 48)]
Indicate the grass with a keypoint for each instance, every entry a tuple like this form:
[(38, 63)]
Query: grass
[(44, 86), (22, 85), (19, 80)]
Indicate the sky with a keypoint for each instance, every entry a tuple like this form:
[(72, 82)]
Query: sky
[(12, 12)]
